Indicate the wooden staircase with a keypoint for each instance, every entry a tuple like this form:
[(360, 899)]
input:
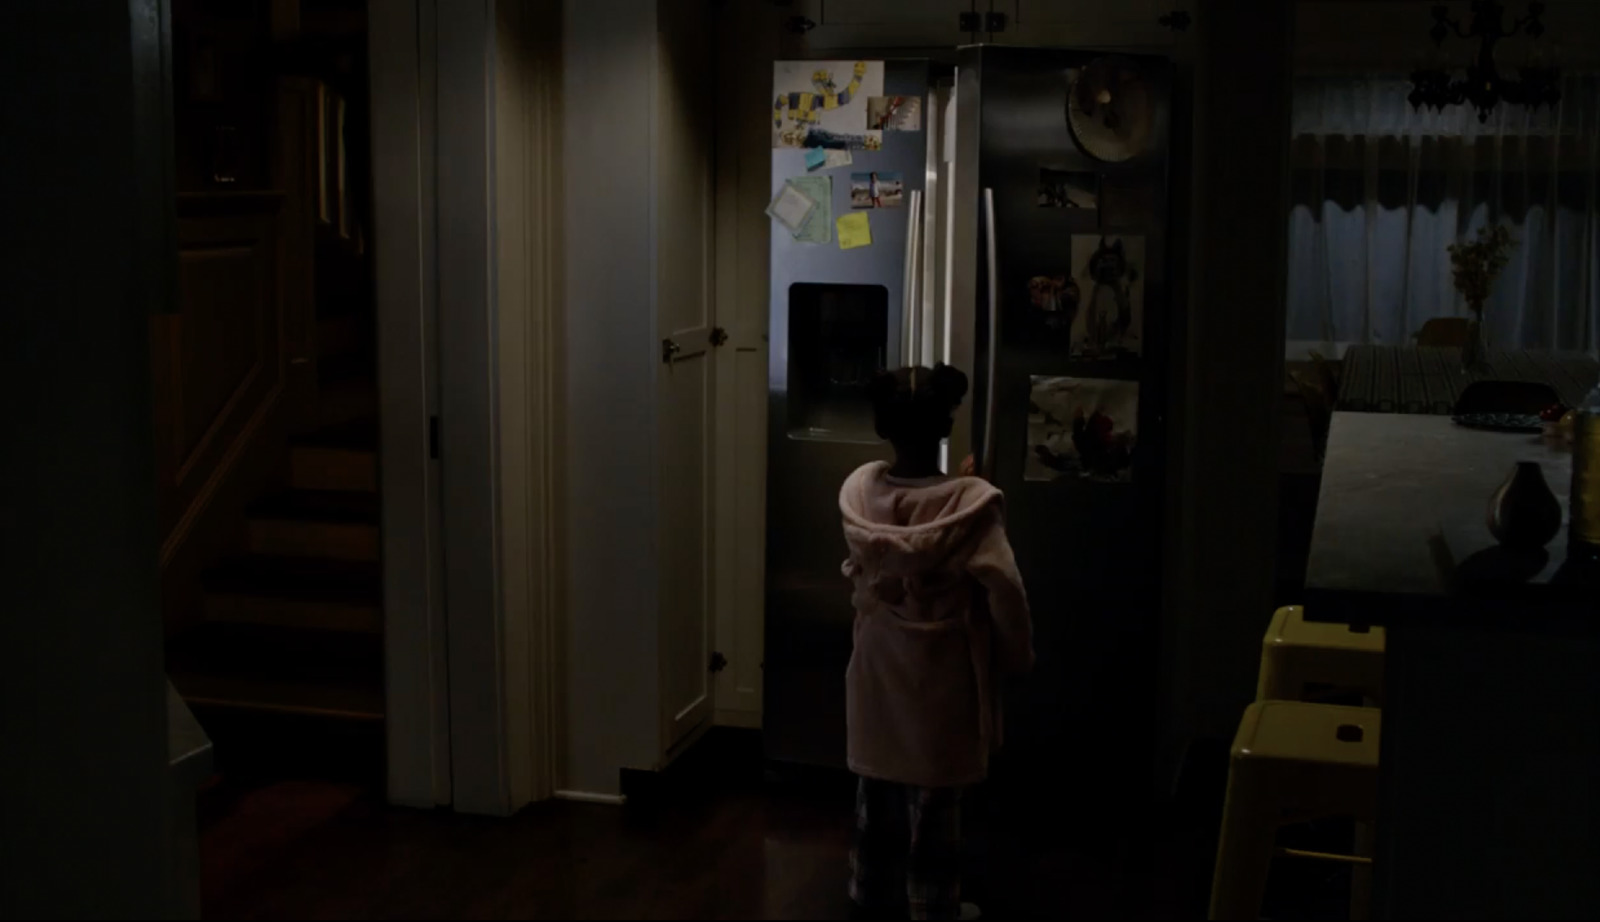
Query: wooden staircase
[(309, 578), (274, 609), (285, 668), (289, 647)]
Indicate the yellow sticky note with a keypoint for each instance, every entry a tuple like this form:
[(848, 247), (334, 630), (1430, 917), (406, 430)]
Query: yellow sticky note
[(854, 231)]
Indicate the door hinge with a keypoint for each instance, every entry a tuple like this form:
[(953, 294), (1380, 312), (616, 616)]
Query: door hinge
[(433, 437), (718, 662), (1177, 20), (718, 336), (968, 22), (994, 22)]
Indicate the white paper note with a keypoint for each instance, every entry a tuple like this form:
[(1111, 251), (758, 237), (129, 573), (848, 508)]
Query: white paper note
[(791, 207)]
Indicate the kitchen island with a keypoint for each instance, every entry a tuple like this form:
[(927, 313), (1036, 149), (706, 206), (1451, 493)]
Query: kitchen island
[(1491, 725)]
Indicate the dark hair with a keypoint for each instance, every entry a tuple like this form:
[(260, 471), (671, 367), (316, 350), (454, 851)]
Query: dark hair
[(915, 403)]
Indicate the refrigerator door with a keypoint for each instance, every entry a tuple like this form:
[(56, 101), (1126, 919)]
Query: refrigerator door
[(1088, 545), (836, 318)]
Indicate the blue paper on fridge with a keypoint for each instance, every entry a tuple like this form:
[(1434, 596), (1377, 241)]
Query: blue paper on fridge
[(804, 205)]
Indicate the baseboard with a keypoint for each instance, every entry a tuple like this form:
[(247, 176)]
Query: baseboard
[(590, 797)]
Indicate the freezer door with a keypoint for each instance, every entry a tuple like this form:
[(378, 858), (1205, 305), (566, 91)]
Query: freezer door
[(1084, 516)]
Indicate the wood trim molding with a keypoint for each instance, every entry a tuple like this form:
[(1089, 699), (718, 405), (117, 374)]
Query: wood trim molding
[(219, 474), (416, 687), (500, 374), (197, 467), (527, 112), (467, 202)]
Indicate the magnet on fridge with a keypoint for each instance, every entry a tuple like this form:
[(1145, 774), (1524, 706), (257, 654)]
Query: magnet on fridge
[(816, 158), (854, 230)]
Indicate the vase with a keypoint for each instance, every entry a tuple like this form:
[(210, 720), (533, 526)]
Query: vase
[(1523, 513), (1475, 352)]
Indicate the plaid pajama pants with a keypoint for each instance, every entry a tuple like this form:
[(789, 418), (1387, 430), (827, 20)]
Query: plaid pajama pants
[(907, 849)]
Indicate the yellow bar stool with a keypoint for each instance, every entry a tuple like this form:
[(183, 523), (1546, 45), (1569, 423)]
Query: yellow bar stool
[(1305, 660), (1292, 762), (1309, 661)]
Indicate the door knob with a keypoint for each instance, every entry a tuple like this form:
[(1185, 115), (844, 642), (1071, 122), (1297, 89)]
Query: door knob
[(669, 349)]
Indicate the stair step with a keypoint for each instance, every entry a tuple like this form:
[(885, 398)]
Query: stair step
[(356, 435), (259, 668), (280, 697), (312, 468), (343, 457), (293, 613), (339, 369), (264, 652), (346, 401), (296, 592), (342, 334), (339, 525), (345, 507)]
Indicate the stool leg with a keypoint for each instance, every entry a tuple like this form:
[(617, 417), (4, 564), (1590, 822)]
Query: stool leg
[(1244, 847)]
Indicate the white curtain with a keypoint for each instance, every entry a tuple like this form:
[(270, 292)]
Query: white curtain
[(1380, 190)]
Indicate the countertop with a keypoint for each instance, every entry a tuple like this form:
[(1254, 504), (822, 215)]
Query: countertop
[(1402, 531)]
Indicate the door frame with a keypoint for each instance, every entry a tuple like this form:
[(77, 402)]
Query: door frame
[(467, 139), (403, 78)]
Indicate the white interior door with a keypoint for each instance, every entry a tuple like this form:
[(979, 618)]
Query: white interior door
[(684, 317)]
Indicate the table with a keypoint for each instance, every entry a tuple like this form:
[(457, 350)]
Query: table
[(1412, 379), (1492, 691)]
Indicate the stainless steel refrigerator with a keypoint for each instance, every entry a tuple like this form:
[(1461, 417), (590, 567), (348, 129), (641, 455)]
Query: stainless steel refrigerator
[(1031, 252)]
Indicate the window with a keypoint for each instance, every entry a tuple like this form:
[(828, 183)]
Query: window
[(1379, 191)]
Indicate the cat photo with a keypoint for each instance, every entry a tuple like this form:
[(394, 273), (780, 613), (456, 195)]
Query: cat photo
[(1109, 272)]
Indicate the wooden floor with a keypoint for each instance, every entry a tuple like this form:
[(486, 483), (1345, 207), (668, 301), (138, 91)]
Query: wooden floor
[(721, 839), (731, 842)]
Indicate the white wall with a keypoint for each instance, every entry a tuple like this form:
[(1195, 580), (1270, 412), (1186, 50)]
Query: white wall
[(611, 355), (528, 227), (88, 255), (747, 42)]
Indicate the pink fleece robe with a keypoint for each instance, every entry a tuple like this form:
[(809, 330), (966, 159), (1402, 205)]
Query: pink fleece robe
[(941, 615)]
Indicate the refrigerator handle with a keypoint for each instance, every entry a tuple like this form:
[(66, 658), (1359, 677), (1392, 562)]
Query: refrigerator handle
[(914, 231), (986, 450), (908, 286)]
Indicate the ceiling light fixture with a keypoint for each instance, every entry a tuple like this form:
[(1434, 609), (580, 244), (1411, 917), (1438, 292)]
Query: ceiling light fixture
[(1537, 83)]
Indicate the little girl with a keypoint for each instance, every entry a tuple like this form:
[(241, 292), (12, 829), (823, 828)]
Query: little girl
[(941, 617)]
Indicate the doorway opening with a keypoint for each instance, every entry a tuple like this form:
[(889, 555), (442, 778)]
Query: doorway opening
[(265, 385)]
